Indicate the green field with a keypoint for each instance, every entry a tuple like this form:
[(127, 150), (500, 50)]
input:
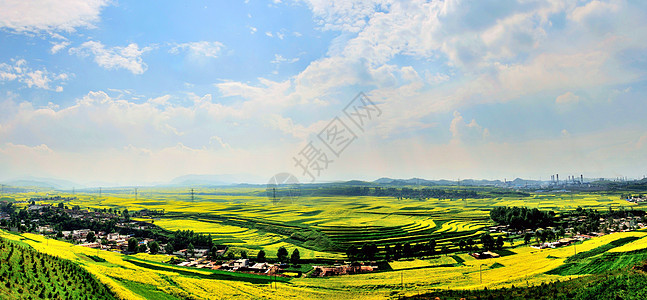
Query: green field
[(322, 227)]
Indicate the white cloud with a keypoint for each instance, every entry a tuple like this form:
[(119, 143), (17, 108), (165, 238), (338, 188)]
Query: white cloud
[(128, 57), (345, 15), (40, 78), (567, 98), (200, 49), (58, 47), (50, 15), (162, 100), (278, 59), (594, 8), (218, 140), (466, 132)]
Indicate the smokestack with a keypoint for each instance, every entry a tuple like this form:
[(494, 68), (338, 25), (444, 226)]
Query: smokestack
[(557, 178), (581, 178)]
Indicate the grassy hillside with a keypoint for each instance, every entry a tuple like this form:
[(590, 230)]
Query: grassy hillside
[(29, 274), (626, 283)]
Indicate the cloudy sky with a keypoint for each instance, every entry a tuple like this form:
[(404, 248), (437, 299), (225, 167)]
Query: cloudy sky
[(134, 92)]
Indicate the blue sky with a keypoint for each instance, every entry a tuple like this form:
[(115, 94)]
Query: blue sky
[(137, 92)]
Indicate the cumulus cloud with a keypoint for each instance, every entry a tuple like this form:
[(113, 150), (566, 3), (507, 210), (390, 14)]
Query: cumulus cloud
[(59, 46), (345, 15), (113, 58), (50, 15), (467, 132), (591, 9), (200, 49), (567, 98), (40, 78)]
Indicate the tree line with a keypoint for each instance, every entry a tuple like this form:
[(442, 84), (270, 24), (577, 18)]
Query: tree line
[(520, 218)]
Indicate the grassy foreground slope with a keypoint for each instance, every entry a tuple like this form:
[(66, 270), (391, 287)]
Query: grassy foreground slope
[(29, 274), (143, 277)]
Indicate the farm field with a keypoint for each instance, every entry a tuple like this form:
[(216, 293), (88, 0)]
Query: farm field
[(141, 276), (244, 219)]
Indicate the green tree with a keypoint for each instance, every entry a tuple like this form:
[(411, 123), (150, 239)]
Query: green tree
[(190, 250), (499, 242), (282, 254), (526, 238), (142, 248), (169, 248), (243, 254), (132, 245), (487, 241), (296, 257), (154, 247), (351, 253), (431, 247), (260, 256), (90, 238), (462, 244)]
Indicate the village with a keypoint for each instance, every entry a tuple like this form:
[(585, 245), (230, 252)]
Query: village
[(552, 237), (118, 233), (37, 218)]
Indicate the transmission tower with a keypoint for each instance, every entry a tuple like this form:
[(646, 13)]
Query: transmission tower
[(192, 195), (135, 194)]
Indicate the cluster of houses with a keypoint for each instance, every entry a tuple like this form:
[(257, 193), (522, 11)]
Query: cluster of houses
[(238, 265), (564, 241), (484, 255), (339, 269), (635, 199), (115, 241)]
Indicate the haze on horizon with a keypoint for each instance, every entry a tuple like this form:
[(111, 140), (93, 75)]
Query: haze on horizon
[(132, 92)]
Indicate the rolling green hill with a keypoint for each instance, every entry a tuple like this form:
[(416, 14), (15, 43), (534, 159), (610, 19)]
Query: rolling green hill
[(29, 274)]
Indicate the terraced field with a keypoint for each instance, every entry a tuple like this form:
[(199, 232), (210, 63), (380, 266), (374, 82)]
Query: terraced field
[(246, 220)]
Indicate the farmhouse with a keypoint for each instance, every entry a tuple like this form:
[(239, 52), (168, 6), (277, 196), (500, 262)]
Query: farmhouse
[(354, 268), (484, 255)]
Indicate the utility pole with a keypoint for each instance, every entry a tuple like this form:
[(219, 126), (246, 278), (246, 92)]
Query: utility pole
[(99, 192), (192, 195), (135, 194), (481, 273), (2, 190), (402, 279)]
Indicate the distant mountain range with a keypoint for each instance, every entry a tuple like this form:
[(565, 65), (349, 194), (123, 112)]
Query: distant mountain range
[(186, 180), (251, 180), (214, 180), (41, 182)]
